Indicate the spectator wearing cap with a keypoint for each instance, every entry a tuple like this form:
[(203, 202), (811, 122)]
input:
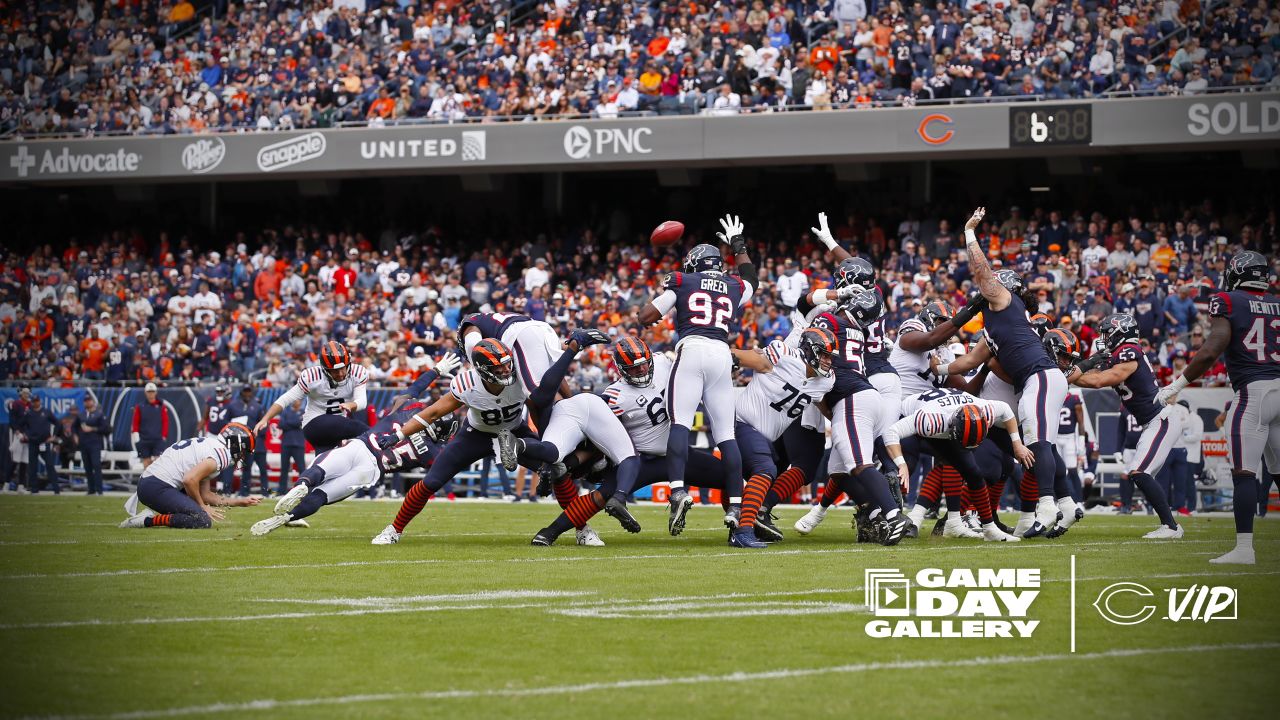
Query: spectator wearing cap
[(150, 426), (1148, 309), (41, 429), (247, 410), (91, 433)]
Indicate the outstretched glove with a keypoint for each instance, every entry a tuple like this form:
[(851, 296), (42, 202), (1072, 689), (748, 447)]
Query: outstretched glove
[(586, 337), (823, 233), (1091, 362), (847, 292), (977, 303), (1168, 394), (448, 365), (732, 235)]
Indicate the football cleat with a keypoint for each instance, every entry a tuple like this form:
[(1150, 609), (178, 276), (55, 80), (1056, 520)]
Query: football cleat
[(618, 511), (991, 533), (970, 521), (1003, 528), (1164, 532), (588, 537), (507, 450), (1025, 521), (547, 476), (679, 508), (1070, 512), (893, 529), (939, 525), (746, 538), (388, 536), (286, 504), (135, 521), (298, 524), (766, 529), (868, 530), (956, 528), (543, 539), (1046, 516), (731, 518), (1238, 556), (262, 527), (913, 531), (811, 520)]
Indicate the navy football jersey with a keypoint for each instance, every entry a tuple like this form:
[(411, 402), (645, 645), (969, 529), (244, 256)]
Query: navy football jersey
[(120, 362), (1068, 424), (491, 325), (875, 352), (1254, 351), (706, 303), (849, 362), (1015, 344), (1131, 428), (219, 416), (1138, 391)]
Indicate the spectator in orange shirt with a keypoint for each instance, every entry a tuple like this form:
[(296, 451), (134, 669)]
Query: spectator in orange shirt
[(824, 56), (383, 106), (267, 285), (650, 86), (182, 12), (93, 355), (1161, 253)]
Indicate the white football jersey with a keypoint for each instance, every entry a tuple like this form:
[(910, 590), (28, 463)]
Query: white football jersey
[(643, 410), (486, 412), (774, 400), (995, 389), (178, 459), (913, 367), (930, 415), (323, 397)]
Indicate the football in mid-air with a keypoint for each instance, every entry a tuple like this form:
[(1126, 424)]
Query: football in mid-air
[(668, 233)]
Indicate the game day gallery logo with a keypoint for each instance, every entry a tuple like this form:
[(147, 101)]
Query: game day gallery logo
[(960, 603)]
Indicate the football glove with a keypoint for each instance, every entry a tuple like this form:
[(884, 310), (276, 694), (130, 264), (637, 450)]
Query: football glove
[(1091, 362), (448, 365), (732, 235), (585, 338), (977, 303), (823, 233)]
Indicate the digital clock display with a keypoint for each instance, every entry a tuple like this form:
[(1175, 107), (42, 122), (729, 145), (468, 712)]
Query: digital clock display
[(1051, 125)]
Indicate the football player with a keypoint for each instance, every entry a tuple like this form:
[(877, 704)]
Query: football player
[(638, 401), (786, 381), (177, 488), (534, 343), (1010, 338), (1130, 374), (336, 392), (1245, 324), (953, 424), (1063, 346), (360, 463), (706, 302), (495, 404)]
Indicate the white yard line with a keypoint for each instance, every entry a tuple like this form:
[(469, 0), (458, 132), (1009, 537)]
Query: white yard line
[(267, 704), (703, 606), (587, 557)]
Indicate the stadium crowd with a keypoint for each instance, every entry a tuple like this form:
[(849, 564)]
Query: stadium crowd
[(190, 66), (131, 309)]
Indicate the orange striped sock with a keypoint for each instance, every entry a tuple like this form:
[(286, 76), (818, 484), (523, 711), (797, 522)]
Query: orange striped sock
[(952, 487), (581, 509), (565, 490), (830, 493), (158, 521), (785, 486), (931, 488), (1029, 489), (994, 493), (752, 498), (966, 498), (981, 503), (414, 501)]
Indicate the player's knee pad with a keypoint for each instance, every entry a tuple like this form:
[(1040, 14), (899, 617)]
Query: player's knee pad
[(312, 476)]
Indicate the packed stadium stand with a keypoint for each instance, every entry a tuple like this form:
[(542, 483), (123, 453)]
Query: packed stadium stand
[(195, 66)]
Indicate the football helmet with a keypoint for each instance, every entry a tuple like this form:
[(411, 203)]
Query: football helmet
[(934, 314), (1063, 347), (239, 441), (634, 360), (969, 426), (863, 308), (335, 360), (1041, 323), (1248, 270), (494, 362), (855, 271), (1117, 329), (818, 349), (704, 258)]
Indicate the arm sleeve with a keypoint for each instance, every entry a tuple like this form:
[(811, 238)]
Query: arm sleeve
[(361, 397), (904, 428), (665, 301), (1003, 413), (419, 386), (551, 380), (470, 340), (290, 396), (750, 278)]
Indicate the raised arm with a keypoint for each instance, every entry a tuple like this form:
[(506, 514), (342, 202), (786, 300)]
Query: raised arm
[(732, 236), (963, 364), (983, 275), (752, 360), (823, 233), (444, 406)]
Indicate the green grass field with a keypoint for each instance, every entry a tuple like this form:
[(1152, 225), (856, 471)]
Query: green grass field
[(464, 619)]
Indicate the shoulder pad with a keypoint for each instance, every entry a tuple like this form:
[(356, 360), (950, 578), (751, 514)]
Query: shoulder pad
[(1220, 304)]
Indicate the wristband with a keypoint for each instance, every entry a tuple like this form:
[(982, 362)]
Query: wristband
[(399, 434), (898, 460), (970, 237), (1015, 437), (1179, 383), (943, 369)]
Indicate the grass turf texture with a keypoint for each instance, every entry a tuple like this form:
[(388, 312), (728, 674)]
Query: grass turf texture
[(464, 619)]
